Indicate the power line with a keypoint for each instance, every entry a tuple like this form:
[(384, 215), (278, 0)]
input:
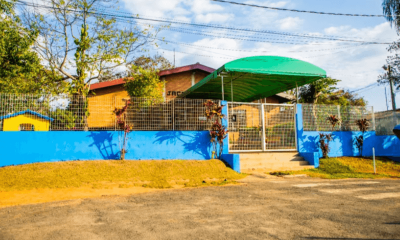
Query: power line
[(207, 25), (255, 51), (300, 11), (364, 88)]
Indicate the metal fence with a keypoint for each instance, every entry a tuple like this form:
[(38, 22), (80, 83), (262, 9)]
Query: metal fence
[(245, 127), (27, 112), (386, 121), (315, 117), (261, 127)]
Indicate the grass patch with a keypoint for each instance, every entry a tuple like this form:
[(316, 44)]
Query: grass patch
[(353, 167), (116, 174)]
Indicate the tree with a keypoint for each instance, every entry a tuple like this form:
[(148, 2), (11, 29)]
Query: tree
[(343, 98), (81, 42), (324, 91), (157, 62), (21, 70), (144, 83), (394, 63), (391, 10), (313, 92)]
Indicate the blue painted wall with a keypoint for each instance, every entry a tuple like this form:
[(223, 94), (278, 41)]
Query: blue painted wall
[(29, 147), (343, 142)]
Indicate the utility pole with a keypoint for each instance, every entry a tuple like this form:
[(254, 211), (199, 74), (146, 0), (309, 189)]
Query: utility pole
[(391, 88)]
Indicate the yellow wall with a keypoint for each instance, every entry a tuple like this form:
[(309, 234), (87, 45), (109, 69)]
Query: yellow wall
[(102, 105), (12, 124)]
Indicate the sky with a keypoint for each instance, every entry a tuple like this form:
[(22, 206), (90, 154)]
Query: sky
[(357, 65)]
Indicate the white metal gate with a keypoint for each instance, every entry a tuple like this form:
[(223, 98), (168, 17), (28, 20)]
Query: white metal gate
[(257, 127)]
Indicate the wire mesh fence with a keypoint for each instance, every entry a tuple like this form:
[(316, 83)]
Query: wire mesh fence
[(315, 117), (245, 127), (280, 133), (27, 112), (261, 127), (386, 121)]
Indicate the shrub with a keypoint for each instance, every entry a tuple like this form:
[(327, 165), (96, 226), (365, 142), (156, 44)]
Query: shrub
[(324, 140), (363, 125)]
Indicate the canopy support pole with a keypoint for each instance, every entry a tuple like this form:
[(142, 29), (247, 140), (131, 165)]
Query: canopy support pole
[(232, 90), (222, 86)]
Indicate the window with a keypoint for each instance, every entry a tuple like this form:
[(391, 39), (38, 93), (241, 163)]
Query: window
[(26, 127)]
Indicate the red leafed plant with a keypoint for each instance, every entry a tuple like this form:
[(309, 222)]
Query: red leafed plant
[(218, 132), (120, 114), (324, 140), (213, 110), (334, 120), (363, 125)]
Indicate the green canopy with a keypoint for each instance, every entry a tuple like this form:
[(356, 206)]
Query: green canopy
[(253, 78)]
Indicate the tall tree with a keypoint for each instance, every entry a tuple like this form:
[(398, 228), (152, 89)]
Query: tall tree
[(391, 9), (82, 42), (311, 93), (21, 70), (394, 62), (324, 91), (156, 62)]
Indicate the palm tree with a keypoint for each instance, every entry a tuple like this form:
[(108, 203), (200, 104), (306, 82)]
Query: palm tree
[(391, 10)]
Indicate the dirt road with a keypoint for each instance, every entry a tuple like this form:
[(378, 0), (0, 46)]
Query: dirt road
[(258, 209)]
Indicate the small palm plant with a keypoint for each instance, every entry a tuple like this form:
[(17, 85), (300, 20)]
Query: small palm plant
[(363, 125), (324, 140), (218, 132), (120, 114), (334, 120)]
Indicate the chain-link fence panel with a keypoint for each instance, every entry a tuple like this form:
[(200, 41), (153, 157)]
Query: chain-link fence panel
[(315, 117), (386, 121), (280, 133), (245, 127), (97, 113)]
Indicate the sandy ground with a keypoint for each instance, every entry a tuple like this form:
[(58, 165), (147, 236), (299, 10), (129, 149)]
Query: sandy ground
[(14, 198), (260, 208)]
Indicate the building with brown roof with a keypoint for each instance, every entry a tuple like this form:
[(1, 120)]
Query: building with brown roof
[(105, 96)]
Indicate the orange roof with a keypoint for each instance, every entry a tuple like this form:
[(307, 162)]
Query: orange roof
[(167, 72)]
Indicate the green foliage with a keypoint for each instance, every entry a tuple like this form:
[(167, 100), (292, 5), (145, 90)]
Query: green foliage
[(78, 38), (391, 9), (157, 62), (63, 119), (144, 83), (351, 167), (311, 93), (324, 91), (7, 7), (21, 70)]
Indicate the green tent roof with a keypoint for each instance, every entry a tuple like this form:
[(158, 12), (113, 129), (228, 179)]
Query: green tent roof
[(253, 78)]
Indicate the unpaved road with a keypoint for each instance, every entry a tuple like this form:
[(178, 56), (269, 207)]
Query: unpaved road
[(259, 209)]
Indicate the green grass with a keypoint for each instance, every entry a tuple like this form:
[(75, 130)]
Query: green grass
[(123, 174), (353, 167)]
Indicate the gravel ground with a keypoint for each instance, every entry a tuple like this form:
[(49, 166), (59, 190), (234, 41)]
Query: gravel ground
[(260, 208)]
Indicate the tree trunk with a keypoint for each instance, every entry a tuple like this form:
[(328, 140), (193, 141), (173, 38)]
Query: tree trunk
[(80, 109)]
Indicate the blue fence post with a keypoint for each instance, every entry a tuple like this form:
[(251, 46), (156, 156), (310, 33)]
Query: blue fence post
[(233, 160), (225, 122), (299, 126)]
